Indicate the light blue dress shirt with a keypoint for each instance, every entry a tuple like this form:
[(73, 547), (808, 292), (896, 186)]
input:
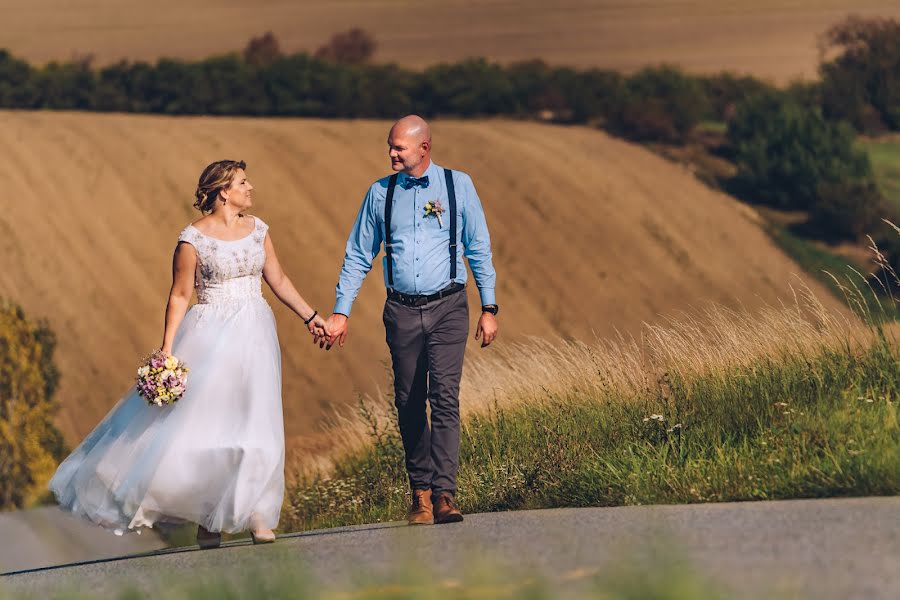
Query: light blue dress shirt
[(421, 245)]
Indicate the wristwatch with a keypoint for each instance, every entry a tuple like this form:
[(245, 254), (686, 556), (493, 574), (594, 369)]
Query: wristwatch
[(490, 308)]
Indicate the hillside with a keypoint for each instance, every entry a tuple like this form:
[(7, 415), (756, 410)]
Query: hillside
[(591, 235), (769, 38)]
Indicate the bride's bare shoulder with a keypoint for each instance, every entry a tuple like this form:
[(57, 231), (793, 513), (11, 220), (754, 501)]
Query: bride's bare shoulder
[(201, 224)]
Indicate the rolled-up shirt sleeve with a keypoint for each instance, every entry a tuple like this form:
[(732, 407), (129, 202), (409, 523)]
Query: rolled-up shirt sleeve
[(363, 246), (477, 243)]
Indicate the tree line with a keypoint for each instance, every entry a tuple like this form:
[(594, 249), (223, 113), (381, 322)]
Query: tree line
[(793, 147)]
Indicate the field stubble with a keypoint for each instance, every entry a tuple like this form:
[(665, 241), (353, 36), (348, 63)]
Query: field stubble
[(766, 38)]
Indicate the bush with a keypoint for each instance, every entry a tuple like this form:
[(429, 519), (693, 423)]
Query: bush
[(724, 91), (862, 83), (30, 446), (786, 152), (846, 210), (659, 104), (470, 88), (15, 82)]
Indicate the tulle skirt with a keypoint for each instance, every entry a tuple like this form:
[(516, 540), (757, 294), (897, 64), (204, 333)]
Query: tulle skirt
[(215, 457)]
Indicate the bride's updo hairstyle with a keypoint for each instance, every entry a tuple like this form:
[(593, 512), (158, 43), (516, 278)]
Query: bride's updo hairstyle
[(215, 178)]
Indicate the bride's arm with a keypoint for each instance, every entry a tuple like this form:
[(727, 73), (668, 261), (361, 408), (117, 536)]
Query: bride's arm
[(285, 291), (184, 265)]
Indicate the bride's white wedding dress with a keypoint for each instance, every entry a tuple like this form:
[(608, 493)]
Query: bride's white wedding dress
[(215, 457)]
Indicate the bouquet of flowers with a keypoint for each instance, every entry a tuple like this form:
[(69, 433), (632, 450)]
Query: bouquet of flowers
[(162, 379)]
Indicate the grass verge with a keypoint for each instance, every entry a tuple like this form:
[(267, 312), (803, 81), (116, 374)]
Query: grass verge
[(656, 573), (733, 407)]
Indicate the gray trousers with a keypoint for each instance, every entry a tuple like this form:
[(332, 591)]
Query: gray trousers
[(427, 346)]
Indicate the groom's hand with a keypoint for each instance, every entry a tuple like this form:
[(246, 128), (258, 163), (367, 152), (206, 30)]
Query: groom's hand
[(487, 329), (337, 326)]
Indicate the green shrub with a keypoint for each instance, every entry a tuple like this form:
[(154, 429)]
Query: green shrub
[(724, 91), (846, 210), (30, 446), (470, 88), (862, 82), (659, 104), (786, 152)]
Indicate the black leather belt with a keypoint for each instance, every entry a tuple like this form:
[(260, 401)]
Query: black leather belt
[(410, 300)]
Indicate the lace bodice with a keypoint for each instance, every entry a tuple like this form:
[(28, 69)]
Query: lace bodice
[(228, 271)]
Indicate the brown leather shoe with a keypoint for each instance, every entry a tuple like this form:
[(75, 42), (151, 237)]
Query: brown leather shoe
[(445, 509), (421, 512)]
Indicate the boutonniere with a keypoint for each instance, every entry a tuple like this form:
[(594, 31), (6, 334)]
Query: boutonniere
[(434, 209)]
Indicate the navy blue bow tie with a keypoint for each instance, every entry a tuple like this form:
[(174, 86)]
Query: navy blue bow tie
[(411, 182)]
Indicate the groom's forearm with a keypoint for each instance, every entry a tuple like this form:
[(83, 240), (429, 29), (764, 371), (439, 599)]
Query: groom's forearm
[(349, 283)]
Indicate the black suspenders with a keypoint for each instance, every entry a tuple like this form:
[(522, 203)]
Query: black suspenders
[(388, 208), (388, 246), (448, 175)]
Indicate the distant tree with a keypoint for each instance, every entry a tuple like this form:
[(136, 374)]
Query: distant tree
[(592, 94), (846, 209), (724, 91), (785, 152), (659, 103), (353, 47), (262, 51), (469, 88), (30, 445), (861, 82), (67, 86), (805, 93), (16, 82)]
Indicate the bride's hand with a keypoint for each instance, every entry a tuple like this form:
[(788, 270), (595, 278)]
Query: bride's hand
[(317, 326)]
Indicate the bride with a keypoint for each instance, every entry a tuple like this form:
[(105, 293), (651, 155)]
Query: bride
[(216, 457)]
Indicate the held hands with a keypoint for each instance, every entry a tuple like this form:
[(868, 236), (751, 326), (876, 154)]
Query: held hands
[(317, 327), (337, 327), (487, 329)]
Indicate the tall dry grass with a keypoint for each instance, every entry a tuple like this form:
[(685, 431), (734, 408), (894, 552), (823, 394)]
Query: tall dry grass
[(709, 342), (793, 401)]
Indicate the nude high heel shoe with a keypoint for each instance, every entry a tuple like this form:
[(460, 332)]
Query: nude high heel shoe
[(259, 533)]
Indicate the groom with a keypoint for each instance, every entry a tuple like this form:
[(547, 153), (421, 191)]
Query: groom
[(428, 218)]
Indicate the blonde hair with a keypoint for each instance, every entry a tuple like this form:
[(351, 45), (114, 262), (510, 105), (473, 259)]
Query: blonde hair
[(215, 178)]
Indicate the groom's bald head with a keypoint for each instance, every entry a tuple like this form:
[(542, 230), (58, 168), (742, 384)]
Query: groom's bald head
[(409, 143), (414, 127)]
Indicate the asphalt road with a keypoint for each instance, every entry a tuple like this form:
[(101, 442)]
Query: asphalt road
[(45, 536), (831, 548)]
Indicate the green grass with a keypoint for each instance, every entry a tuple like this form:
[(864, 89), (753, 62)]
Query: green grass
[(654, 574), (796, 425), (827, 266), (885, 158)]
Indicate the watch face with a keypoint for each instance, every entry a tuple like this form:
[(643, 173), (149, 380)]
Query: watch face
[(491, 309)]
